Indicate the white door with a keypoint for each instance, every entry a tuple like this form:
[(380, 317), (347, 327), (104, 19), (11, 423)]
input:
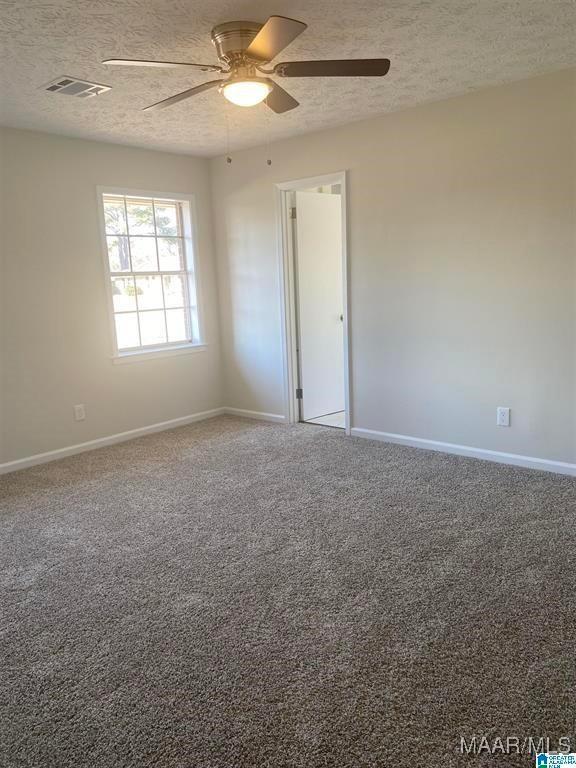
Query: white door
[(320, 302)]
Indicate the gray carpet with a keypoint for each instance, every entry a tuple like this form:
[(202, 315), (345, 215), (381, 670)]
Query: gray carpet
[(235, 594)]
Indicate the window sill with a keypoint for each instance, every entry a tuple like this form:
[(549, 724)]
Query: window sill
[(151, 354)]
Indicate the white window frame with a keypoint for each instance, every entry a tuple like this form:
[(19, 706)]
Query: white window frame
[(191, 252)]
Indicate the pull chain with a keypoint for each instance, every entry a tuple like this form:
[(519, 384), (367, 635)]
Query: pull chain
[(228, 158), (267, 130)]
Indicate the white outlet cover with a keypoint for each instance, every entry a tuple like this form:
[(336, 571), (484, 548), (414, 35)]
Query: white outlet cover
[(79, 413), (503, 417)]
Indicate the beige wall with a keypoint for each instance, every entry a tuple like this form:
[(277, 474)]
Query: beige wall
[(462, 252), (56, 346), (2, 295)]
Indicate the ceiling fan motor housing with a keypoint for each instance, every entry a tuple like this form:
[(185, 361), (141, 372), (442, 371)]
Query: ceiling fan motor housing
[(232, 39)]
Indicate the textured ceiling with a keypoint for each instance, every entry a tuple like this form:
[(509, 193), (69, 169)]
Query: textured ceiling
[(438, 48)]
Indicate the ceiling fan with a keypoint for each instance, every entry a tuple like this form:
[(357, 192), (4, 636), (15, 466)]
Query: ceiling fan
[(243, 47)]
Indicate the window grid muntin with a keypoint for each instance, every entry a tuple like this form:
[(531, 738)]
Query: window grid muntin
[(184, 274)]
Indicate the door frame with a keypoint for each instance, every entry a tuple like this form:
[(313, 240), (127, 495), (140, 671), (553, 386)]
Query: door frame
[(288, 296)]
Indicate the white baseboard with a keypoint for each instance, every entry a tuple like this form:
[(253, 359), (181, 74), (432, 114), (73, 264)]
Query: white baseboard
[(515, 459), (530, 462), (276, 417), (101, 442)]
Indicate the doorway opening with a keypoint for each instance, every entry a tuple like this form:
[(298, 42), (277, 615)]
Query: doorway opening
[(315, 280)]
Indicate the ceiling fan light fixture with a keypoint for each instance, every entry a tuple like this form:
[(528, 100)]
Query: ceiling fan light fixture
[(247, 92)]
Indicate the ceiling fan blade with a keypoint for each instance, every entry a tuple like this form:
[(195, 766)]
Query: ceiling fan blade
[(280, 100), (334, 68), (275, 35), (184, 95), (162, 64)]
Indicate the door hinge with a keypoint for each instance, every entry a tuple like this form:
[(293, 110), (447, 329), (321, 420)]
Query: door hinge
[(298, 394), (293, 213)]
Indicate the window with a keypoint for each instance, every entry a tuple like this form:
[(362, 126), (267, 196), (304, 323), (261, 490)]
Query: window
[(151, 276)]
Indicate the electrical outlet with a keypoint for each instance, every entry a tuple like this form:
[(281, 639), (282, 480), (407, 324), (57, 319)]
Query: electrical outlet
[(503, 417), (79, 412)]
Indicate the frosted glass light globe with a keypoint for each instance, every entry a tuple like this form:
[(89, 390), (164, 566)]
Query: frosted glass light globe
[(246, 93)]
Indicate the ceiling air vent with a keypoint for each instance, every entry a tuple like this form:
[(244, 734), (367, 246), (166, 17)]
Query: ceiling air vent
[(71, 86)]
